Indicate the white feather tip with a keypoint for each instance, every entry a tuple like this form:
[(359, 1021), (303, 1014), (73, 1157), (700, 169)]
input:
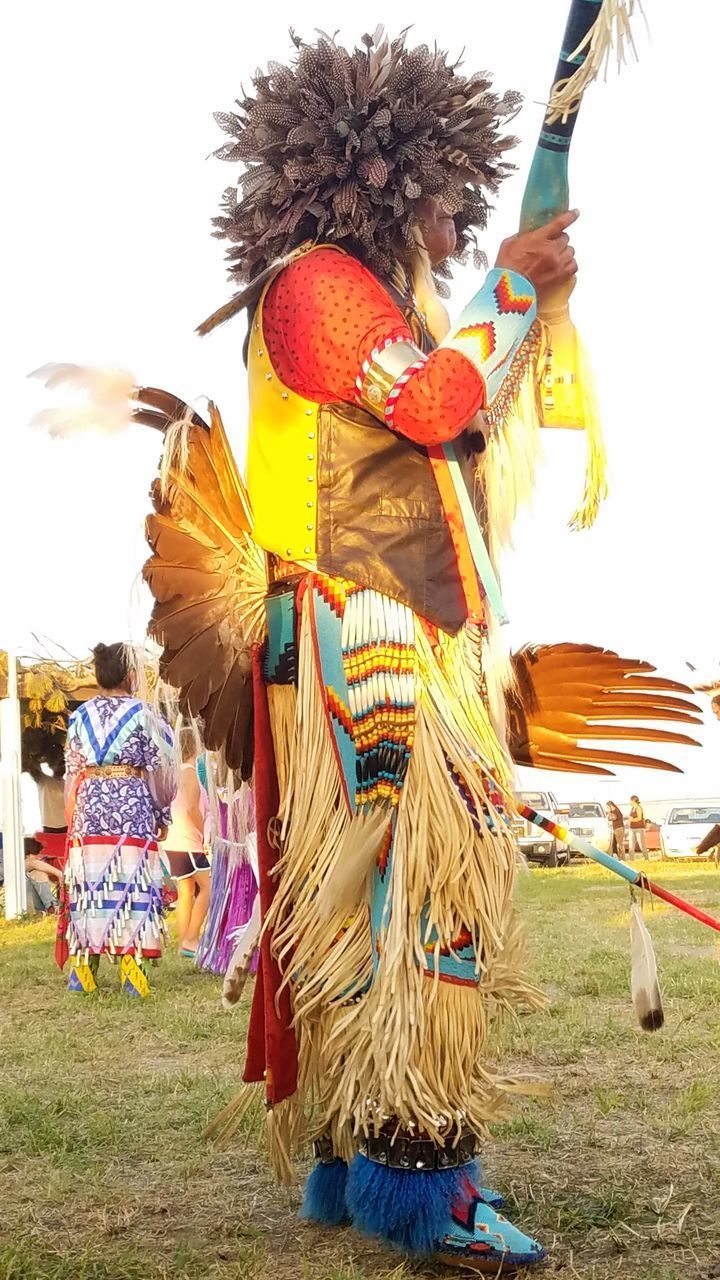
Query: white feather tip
[(96, 400), (643, 977)]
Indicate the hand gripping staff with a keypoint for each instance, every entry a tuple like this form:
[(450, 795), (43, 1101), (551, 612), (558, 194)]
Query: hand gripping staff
[(567, 399)]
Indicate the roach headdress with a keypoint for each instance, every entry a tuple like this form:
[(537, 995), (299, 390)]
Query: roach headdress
[(338, 146)]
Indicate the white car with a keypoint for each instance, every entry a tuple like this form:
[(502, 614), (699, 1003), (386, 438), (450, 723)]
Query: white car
[(588, 820), (684, 828), (535, 844)]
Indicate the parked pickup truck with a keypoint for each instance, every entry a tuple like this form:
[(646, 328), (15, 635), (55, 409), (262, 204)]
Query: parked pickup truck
[(536, 844)]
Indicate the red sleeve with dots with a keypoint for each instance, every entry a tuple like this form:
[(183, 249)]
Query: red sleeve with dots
[(324, 315)]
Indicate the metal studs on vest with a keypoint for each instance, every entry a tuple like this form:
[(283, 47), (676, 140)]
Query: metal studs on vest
[(268, 377), (284, 395)]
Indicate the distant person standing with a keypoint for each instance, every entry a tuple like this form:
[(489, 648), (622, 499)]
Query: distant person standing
[(51, 798), (120, 784), (636, 829), (617, 830), (184, 852)]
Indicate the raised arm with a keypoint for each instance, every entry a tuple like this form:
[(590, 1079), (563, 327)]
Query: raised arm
[(333, 333)]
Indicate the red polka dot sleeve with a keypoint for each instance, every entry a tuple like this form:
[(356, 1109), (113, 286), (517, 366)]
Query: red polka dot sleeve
[(325, 314)]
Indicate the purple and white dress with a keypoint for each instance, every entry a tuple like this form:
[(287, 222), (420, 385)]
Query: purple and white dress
[(120, 782)]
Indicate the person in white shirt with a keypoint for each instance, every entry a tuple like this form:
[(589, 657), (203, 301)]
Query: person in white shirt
[(51, 798)]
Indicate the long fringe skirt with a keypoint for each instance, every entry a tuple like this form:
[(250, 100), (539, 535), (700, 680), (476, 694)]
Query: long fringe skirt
[(113, 887), (392, 921)]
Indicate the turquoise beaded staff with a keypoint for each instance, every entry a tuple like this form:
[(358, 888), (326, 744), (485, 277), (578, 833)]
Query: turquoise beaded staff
[(593, 29)]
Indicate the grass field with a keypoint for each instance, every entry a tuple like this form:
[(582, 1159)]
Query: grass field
[(104, 1175)]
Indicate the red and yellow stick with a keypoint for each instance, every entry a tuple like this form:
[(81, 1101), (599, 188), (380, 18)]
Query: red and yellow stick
[(637, 878)]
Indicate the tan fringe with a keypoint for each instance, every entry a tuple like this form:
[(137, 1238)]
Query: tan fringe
[(345, 889), (610, 32), (176, 452), (285, 1133), (412, 1046), (224, 1126)]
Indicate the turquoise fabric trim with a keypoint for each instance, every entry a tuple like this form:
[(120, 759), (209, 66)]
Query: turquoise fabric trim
[(559, 139), (279, 661), (328, 631)]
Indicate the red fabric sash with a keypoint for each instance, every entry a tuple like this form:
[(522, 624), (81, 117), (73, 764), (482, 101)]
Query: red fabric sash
[(271, 1053), (62, 949)]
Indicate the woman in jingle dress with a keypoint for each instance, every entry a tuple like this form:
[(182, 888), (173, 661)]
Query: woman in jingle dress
[(120, 784)]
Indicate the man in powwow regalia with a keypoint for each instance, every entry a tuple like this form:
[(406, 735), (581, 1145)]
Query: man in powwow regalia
[(366, 173), (334, 625)]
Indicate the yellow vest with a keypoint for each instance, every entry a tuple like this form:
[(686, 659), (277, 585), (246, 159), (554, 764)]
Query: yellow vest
[(332, 489), (282, 457)]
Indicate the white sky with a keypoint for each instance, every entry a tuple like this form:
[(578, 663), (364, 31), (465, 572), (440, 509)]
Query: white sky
[(108, 259)]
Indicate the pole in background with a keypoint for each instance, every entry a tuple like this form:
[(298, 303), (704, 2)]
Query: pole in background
[(10, 776)]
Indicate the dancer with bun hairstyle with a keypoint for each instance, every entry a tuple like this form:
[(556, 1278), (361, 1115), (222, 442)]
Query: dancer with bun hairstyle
[(120, 783)]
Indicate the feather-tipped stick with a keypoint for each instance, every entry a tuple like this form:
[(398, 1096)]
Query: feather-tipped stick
[(238, 969), (643, 974), (98, 400)]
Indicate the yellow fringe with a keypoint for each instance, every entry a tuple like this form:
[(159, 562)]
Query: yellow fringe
[(557, 391), (596, 487)]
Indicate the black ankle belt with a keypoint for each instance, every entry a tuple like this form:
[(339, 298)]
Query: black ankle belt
[(324, 1150), (420, 1154)]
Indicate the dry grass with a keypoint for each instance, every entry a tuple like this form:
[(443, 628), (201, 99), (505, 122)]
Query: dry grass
[(103, 1175)]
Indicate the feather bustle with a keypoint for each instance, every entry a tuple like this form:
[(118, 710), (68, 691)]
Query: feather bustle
[(566, 694)]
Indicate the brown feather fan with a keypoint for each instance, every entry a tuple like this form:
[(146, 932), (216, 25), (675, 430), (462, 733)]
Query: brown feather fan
[(565, 694), (206, 574)]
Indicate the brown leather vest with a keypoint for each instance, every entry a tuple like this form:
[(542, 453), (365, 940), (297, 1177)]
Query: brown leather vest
[(380, 519), (374, 514)]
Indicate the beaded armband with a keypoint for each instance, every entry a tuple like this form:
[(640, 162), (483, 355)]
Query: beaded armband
[(494, 326), (386, 371)]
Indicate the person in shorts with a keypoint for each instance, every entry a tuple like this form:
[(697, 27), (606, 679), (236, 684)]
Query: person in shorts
[(183, 851)]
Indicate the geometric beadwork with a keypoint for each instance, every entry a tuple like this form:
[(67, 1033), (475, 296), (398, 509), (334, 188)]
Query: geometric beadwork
[(483, 334), (507, 301), (81, 978), (133, 979)]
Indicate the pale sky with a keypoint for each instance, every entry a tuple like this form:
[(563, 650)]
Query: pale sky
[(109, 260)]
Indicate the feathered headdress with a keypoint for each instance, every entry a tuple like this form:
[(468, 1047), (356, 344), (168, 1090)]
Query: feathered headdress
[(339, 145)]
